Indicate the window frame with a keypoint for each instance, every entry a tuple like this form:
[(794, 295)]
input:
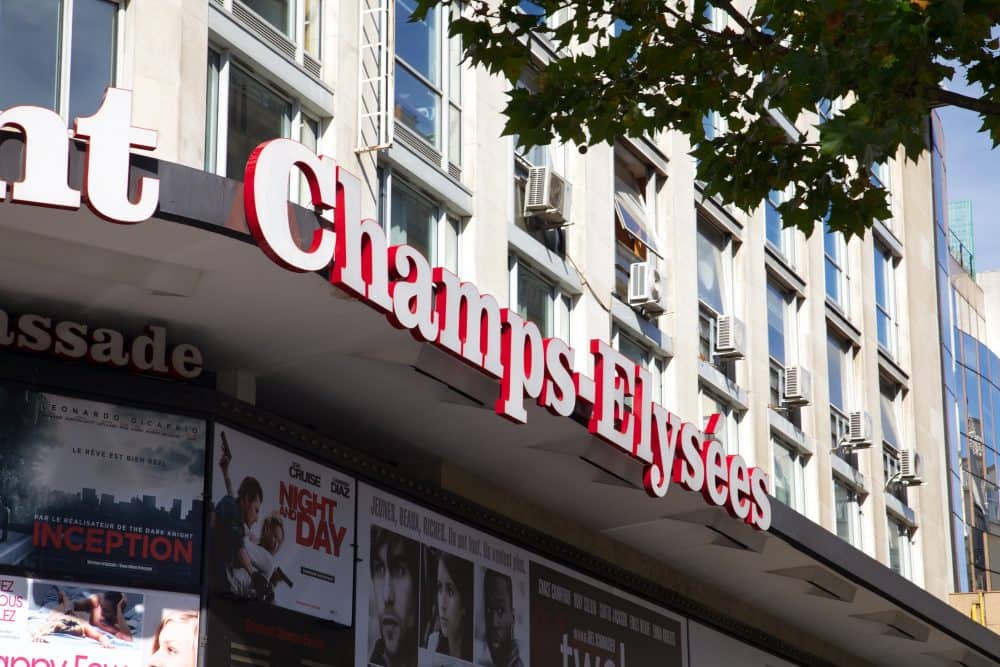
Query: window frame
[(854, 520), (799, 461), (886, 265), (900, 536), (651, 361), (64, 67), (559, 304), (449, 91), (732, 417), (786, 247), (445, 227), (727, 252), (836, 254), (217, 113)]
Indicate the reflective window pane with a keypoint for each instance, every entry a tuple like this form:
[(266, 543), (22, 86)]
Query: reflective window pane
[(890, 429), (418, 42), (29, 26), (534, 298), (784, 475), (772, 223), (256, 115), (414, 221), (276, 12), (776, 308), (836, 371), (312, 31), (712, 289), (417, 106), (92, 65)]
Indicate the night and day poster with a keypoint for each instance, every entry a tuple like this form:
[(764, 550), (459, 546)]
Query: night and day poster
[(282, 528), (89, 488)]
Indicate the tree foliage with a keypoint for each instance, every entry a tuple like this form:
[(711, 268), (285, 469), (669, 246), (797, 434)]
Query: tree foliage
[(665, 67)]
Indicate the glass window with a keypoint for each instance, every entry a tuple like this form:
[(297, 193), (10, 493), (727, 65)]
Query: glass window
[(837, 276), (885, 319), (848, 514), (714, 268), (413, 218), (900, 559), (256, 114), (727, 430), (312, 33), (889, 413), (534, 299), (276, 12), (428, 80), (837, 353), (789, 476), (36, 27), (777, 309), (413, 221), (772, 219)]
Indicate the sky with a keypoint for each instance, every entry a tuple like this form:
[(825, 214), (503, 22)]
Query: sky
[(974, 174)]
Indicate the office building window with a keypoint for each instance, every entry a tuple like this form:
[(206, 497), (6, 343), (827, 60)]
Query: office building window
[(58, 54), (727, 429), (837, 270), (643, 356), (715, 269), (840, 384), (848, 512), (900, 557), (886, 321), (780, 337), (244, 112), (418, 221), (635, 215), (789, 475), (539, 300), (778, 237), (428, 80), (889, 399)]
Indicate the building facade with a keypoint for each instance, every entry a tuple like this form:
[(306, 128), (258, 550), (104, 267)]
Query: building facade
[(803, 356)]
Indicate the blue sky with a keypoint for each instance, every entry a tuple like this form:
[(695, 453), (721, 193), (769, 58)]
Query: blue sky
[(974, 174)]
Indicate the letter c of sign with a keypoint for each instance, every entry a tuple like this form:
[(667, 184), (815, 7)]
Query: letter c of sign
[(265, 198)]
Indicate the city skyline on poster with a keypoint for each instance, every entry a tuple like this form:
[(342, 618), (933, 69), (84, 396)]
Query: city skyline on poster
[(90, 488)]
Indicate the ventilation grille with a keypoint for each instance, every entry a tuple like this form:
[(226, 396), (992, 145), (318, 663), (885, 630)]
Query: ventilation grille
[(312, 65), (262, 29), (220, 3), (455, 171), (417, 145)]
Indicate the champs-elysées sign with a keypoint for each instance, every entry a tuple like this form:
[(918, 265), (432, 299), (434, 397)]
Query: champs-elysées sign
[(430, 302)]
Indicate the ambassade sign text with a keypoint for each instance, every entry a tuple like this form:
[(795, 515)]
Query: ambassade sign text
[(430, 302)]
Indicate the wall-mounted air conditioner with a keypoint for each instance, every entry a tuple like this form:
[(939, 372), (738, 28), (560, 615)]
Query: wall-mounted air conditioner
[(910, 468), (798, 386), (730, 337), (859, 430), (645, 287), (547, 197)]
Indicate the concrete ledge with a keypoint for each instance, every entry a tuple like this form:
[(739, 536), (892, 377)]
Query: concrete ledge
[(646, 331), (541, 258)]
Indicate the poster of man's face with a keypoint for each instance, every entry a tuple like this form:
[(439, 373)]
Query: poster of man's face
[(395, 565)]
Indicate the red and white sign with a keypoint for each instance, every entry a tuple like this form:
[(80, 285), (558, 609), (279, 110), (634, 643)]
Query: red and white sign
[(430, 302)]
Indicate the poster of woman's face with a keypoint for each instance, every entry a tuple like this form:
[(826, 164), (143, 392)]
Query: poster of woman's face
[(447, 606), (176, 641)]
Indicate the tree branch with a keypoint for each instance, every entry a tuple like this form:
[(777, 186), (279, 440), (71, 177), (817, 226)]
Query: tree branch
[(941, 97)]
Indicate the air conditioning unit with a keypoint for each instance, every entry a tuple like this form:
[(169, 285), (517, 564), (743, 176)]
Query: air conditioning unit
[(644, 287), (547, 197), (798, 386), (859, 430), (910, 468), (730, 337)]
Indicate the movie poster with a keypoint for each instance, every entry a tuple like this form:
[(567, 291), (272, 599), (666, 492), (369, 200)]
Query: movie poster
[(61, 623), (242, 632), (282, 528), (433, 592), (92, 489), (576, 623)]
